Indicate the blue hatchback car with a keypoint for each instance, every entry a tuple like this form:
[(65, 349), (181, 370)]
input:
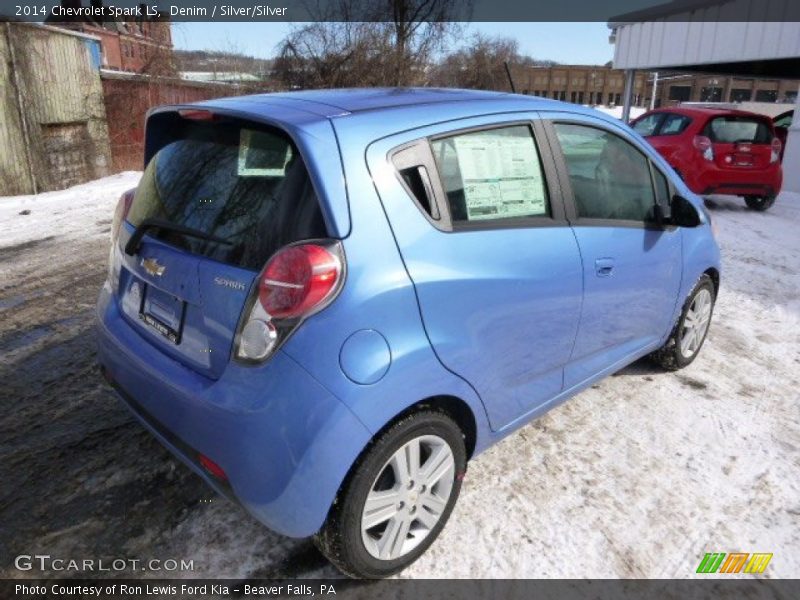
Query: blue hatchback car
[(326, 303)]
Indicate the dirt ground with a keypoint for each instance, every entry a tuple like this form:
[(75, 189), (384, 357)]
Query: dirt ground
[(637, 477)]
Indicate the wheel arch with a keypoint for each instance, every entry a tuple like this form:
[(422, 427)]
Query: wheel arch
[(713, 273)]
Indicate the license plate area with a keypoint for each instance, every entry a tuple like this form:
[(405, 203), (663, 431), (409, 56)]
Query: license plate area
[(163, 312)]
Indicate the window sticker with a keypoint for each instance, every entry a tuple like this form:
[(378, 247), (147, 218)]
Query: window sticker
[(262, 154), (501, 176)]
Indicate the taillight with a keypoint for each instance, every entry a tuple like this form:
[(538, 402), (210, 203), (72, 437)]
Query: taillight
[(703, 144), (297, 281), (775, 155), (121, 213)]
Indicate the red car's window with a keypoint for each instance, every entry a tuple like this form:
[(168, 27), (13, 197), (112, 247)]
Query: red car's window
[(674, 124), (733, 129), (648, 124)]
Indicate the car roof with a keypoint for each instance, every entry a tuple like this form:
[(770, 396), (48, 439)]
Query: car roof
[(362, 99), (703, 111), (298, 107)]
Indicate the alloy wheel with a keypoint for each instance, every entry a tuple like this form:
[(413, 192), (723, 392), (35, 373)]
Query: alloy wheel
[(408, 497), (695, 323)]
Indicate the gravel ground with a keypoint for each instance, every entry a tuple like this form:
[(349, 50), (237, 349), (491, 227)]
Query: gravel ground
[(638, 476)]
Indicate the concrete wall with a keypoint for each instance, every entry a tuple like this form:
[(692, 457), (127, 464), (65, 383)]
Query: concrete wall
[(54, 132)]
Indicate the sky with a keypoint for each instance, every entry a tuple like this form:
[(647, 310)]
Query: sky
[(568, 43)]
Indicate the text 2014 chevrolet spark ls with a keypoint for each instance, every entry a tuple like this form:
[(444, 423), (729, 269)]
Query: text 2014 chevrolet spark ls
[(326, 303)]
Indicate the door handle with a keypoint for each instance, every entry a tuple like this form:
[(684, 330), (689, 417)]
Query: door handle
[(604, 267)]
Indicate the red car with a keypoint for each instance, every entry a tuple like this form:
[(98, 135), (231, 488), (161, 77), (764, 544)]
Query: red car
[(718, 151)]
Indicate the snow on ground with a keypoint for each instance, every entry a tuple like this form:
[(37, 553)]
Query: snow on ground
[(638, 476), (616, 111)]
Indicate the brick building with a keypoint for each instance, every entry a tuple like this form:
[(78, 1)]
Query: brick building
[(587, 84), (143, 45)]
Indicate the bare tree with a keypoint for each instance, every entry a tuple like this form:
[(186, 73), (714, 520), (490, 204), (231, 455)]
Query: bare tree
[(480, 64), (368, 43)]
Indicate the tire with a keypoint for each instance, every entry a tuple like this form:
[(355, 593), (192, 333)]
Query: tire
[(679, 351), (371, 553), (759, 203)]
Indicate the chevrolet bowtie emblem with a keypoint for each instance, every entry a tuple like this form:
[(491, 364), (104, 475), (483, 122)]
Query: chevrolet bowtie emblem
[(153, 267)]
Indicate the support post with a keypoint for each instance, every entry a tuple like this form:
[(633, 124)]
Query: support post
[(630, 74)]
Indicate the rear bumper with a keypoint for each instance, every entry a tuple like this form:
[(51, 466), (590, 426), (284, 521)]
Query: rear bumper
[(713, 180), (283, 440)]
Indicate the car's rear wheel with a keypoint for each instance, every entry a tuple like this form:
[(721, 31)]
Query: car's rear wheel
[(686, 339), (398, 497), (759, 203)]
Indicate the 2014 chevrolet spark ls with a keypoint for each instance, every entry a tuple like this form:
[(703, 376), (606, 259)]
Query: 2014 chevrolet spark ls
[(326, 303)]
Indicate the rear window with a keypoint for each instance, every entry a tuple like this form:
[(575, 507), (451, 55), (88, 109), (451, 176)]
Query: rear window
[(241, 183), (732, 129)]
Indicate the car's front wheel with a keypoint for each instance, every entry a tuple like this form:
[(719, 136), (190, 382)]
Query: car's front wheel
[(686, 339), (398, 497), (759, 203)]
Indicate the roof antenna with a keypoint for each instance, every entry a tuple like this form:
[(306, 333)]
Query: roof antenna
[(510, 79)]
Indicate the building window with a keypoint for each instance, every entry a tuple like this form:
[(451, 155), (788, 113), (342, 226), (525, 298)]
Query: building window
[(563, 95), (681, 93), (740, 95), (711, 94), (616, 99), (573, 97), (580, 97), (766, 95), (790, 97)]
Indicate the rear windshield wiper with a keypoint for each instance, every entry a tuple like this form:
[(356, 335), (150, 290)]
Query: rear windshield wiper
[(132, 247)]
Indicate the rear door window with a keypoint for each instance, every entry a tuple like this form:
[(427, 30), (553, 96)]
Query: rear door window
[(241, 183), (674, 124), (492, 174), (735, 129)]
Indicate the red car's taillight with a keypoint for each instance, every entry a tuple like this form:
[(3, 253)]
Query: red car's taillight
[(297, 281), (703, 144), (775, 155), (121, 213)]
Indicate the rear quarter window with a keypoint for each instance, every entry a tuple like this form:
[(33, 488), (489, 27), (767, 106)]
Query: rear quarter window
[(245, 184)]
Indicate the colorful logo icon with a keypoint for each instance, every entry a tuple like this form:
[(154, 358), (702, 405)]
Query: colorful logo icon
[(716, 562)]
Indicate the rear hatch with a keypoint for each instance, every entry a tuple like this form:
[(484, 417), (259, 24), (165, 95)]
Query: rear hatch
[(217, 199), (740, 142)]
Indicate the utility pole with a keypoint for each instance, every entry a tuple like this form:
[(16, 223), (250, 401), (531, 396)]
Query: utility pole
[(655, 91)]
